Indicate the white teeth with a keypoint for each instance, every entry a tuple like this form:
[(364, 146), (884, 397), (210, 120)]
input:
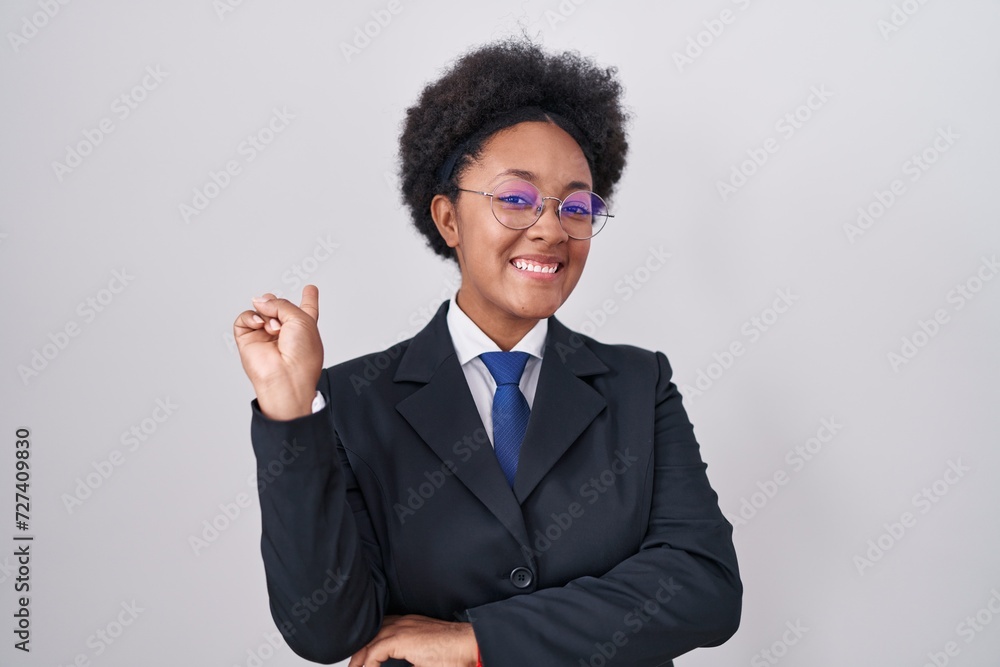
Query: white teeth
[(537, 268)]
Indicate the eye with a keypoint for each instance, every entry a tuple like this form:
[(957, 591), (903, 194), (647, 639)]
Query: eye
[(578, 205), (515, 200), (576, 209), (517, 196)]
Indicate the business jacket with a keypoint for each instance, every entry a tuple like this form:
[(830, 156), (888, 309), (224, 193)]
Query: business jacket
[(610, 548)]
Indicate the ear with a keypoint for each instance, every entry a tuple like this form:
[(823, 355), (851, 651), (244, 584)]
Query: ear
[(445, 219)]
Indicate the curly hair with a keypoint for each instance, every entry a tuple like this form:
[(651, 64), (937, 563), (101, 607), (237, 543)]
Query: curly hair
[(496, 86)]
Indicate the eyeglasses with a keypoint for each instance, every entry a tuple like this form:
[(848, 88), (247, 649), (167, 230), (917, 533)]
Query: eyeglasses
[(518, 204)]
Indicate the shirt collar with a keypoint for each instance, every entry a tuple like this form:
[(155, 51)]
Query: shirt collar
[(470, 341)]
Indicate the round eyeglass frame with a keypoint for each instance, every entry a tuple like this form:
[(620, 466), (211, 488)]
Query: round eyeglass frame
[(541, 207)]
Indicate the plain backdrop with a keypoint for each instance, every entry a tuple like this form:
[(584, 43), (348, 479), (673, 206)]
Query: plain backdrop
[(807, 228)]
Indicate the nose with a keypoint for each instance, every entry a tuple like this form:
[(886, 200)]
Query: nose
[(548, 225)]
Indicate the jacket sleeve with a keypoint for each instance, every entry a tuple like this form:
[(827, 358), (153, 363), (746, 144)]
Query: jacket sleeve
[(322, 563), (680, 591)]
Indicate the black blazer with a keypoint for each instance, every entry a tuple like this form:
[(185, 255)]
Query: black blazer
[(610, 549)]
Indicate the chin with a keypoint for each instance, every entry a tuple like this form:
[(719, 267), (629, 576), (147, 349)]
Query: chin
[(536, 308)]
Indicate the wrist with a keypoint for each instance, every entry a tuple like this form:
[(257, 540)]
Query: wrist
[(469, 645), (282, 407), (476, 655)]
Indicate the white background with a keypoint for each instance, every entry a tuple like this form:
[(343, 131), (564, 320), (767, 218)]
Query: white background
[(329, 175)]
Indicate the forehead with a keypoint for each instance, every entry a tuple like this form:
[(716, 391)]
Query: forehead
[(540, 148)]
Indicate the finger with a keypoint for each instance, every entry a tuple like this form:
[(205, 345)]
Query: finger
[(262, 300), (376, 653), (366, 656), (278, 311), (310, 301), (358, 659), (257, 302), (250, 327), (248, 320)]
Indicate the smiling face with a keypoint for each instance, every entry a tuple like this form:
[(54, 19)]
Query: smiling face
[(501, 292)]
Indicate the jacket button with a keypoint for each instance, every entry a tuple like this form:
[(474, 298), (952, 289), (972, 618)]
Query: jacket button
[(521, 577)]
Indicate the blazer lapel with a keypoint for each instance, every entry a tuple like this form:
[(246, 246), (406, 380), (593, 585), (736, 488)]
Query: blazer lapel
[(563, 408), (444, 414)]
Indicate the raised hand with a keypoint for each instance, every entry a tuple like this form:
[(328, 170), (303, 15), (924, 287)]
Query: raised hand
[(282, 353)]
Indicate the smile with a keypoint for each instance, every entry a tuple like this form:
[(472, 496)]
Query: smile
[(534, 267)]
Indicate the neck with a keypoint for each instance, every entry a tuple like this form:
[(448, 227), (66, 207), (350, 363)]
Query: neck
[(502, 329)]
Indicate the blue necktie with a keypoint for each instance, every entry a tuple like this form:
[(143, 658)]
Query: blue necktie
[(510, 409)]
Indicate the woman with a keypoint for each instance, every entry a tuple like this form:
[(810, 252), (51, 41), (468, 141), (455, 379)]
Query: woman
[(498, 489)]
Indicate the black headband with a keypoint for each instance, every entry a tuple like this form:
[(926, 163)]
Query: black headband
[(445, 172), (498, 123)]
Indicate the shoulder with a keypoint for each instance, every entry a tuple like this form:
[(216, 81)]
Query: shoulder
[(352, 376), (620, 358)]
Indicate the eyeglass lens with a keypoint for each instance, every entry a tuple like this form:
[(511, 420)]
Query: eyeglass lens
[(518, 204)]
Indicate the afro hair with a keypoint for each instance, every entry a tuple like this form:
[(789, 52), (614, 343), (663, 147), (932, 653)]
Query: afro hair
[(496, 86)]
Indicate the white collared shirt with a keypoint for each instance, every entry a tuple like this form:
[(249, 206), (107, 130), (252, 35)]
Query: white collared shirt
[(470, 341)]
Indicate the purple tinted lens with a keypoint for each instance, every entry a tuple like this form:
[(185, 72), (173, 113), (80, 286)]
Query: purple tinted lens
[(580, 204), (515, 203), (583, 214), (516, 195)]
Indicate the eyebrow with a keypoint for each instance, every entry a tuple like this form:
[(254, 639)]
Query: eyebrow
[(532, 176)]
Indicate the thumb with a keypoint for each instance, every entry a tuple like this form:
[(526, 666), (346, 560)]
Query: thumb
[(310, 301)]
